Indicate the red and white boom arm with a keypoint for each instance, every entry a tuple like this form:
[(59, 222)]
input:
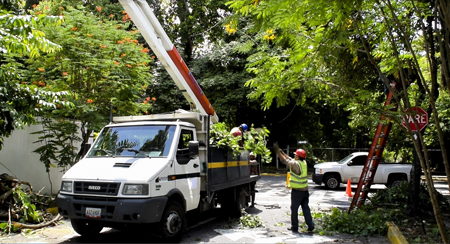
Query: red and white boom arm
[(152, 31)]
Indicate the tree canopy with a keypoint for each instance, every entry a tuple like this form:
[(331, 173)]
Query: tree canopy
[(309, 49)]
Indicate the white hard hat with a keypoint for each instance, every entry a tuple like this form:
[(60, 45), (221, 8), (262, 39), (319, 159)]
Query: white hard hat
[(252, 154)]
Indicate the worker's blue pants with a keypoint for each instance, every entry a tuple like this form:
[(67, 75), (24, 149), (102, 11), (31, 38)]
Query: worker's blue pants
[(300, 198)]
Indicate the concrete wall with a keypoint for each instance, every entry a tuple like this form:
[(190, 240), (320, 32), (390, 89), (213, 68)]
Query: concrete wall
[(17, 159)]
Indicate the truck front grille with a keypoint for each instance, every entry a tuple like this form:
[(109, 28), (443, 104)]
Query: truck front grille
[(107, 206), (97, 188)]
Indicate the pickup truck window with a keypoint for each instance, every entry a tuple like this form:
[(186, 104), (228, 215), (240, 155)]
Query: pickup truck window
[(356, 160), (344, 160), (359, 160), (133, 141)]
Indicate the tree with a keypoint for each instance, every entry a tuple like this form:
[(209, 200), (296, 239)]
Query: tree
[(299, 38), (20, 37), (101, 64)]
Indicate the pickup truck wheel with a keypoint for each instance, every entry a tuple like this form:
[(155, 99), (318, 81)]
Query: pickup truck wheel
[(172, 222), (85, 228), (395, 182), (332, 182)]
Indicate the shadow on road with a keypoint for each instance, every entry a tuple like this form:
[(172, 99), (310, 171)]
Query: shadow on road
[(148, 234)]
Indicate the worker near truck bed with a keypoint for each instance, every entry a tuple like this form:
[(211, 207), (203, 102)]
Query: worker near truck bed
[(253, 164), (239, 132), (299, 184), (253, 171)]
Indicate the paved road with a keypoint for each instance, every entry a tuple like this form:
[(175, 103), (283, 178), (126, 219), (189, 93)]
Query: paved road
[(272, 207)]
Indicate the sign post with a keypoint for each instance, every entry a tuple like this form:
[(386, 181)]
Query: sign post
[(421, 116)]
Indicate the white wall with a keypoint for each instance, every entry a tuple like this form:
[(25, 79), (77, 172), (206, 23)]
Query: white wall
[(17, 156)]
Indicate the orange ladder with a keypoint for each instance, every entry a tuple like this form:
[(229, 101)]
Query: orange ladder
[(374, 157)]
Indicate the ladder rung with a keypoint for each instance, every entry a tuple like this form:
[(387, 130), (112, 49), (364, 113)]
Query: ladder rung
[(375, 158), (379, 146)]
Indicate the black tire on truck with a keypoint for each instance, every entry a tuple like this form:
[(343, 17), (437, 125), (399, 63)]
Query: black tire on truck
[(172, 222), (241, 202), (395, 180), (231, 207), (332, 182), (86, 228), (253, 191)]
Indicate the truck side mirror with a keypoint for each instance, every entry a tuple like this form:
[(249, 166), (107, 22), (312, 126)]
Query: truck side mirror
[(349, 163), (193, 149)]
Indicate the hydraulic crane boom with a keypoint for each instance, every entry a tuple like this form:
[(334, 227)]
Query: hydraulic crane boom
[(152, 31)]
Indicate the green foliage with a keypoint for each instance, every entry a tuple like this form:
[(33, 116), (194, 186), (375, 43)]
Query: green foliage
[(26, 207), (397, 197), (19, 102), (102, 65), (390, 204), (220, 135), (254, 140), (250, 221), (20, 34), (101, 62), (334, 53), (57, 139), (5, 228), (359, 222)]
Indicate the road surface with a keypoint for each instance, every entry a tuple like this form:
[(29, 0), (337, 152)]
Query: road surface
[(272, 208)]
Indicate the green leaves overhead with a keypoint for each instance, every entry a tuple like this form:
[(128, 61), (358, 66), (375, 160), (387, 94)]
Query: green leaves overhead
[(100, 62), (19, 101), (19, 34)]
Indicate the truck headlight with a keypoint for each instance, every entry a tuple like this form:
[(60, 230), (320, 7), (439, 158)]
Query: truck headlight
[(318, 171), (66, 186), (135, 189)]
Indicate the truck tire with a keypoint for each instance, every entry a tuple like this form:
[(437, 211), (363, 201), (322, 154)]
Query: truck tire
[(232, 208), (395, 181), (172, 222), (85, 228), (241, 202), (332, 182)]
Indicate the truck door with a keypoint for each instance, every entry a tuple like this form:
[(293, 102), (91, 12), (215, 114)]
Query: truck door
[(354, 167), (187, 170)]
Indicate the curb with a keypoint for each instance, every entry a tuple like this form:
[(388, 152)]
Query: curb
[(394, 234)]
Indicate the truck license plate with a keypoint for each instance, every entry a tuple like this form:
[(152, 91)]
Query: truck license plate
[(93, 212)]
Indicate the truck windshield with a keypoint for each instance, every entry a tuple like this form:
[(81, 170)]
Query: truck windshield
[(133, 141)]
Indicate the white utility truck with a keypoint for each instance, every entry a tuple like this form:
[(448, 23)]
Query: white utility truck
[(350, 167), (154, 169)]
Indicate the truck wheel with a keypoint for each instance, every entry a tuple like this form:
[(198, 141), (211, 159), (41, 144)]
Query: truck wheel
[(85, 228), (172, 222), (332, 182), (233, 208), (395, 182), (241, 201), (253, 190)]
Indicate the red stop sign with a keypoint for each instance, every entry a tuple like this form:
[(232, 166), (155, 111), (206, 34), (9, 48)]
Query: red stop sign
[(419, 114)]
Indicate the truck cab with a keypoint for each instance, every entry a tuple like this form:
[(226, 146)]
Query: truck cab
[(131, 166)]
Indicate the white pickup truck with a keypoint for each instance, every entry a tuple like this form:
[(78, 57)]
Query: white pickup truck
[(332, 174)]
